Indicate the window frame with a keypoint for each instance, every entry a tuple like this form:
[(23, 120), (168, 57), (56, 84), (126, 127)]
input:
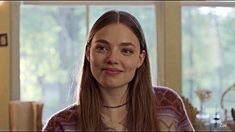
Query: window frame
[(15, 30)]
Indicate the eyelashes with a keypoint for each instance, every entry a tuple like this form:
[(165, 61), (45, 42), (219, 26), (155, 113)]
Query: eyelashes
[(123, 50), (101, 48), (127, 51)]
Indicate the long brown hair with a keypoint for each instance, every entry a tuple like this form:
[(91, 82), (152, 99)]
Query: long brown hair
[(141, 105)]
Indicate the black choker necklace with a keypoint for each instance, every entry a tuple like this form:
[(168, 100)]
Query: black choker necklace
[(114, 106)]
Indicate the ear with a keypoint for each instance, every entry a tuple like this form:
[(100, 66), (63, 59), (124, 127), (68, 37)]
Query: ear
[(88, 53), (141, 58)]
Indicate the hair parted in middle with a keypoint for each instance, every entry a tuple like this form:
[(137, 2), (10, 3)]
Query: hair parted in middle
[(141, 105)]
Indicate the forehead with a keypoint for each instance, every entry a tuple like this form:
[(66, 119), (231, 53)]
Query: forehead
[(116, 33)]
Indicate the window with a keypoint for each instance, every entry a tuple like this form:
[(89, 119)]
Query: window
[(208, 54), (51, 47), (52, 43)]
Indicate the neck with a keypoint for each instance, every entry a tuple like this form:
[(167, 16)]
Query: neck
[(114, 96), (114, 107)]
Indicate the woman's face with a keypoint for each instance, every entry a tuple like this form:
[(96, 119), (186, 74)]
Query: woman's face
[(114, 56)]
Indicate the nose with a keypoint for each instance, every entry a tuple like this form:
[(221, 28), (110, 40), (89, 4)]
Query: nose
[(112, 57)]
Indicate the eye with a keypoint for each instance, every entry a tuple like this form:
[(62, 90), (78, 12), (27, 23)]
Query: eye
[(127, 51), (101, 48)]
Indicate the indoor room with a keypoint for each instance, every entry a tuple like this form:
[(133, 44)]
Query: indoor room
[(190, 45)]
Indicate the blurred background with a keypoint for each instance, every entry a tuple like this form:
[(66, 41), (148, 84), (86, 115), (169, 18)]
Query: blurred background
[(191, 47)]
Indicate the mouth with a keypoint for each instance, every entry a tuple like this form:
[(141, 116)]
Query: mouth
[(111, 71)]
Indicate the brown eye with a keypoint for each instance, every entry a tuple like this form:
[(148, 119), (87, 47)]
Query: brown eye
[(127, 51), (101, 48)]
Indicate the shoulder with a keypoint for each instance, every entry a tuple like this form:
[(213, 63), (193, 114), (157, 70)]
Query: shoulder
[(166, 96), (171, 109), (168, 99), (63, 119)]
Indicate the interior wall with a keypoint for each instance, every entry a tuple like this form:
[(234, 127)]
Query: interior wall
[(4, 67)]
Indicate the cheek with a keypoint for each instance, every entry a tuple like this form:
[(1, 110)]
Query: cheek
[(132, 63), (96, 63), (131, 67), (95, 59), (95, 68)]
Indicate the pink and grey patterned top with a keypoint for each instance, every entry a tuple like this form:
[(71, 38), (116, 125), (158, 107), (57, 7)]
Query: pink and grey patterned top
[(172, 115)]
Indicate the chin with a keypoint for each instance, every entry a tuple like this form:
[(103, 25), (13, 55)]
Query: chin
[(110, 85)]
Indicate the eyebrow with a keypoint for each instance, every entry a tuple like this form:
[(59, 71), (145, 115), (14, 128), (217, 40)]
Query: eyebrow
[(127, 44), (102, 41), (122, 43)]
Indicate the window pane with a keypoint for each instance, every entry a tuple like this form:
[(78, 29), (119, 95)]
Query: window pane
[(51, 45), (146, 17), (208, 54)]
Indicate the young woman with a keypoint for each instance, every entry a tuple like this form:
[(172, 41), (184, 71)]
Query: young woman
[(116, 91)]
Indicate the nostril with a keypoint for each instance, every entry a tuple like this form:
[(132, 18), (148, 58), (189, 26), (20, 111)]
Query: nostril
[(111, 61)]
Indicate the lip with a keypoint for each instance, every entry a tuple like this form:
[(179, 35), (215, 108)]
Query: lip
[(112, 71)]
